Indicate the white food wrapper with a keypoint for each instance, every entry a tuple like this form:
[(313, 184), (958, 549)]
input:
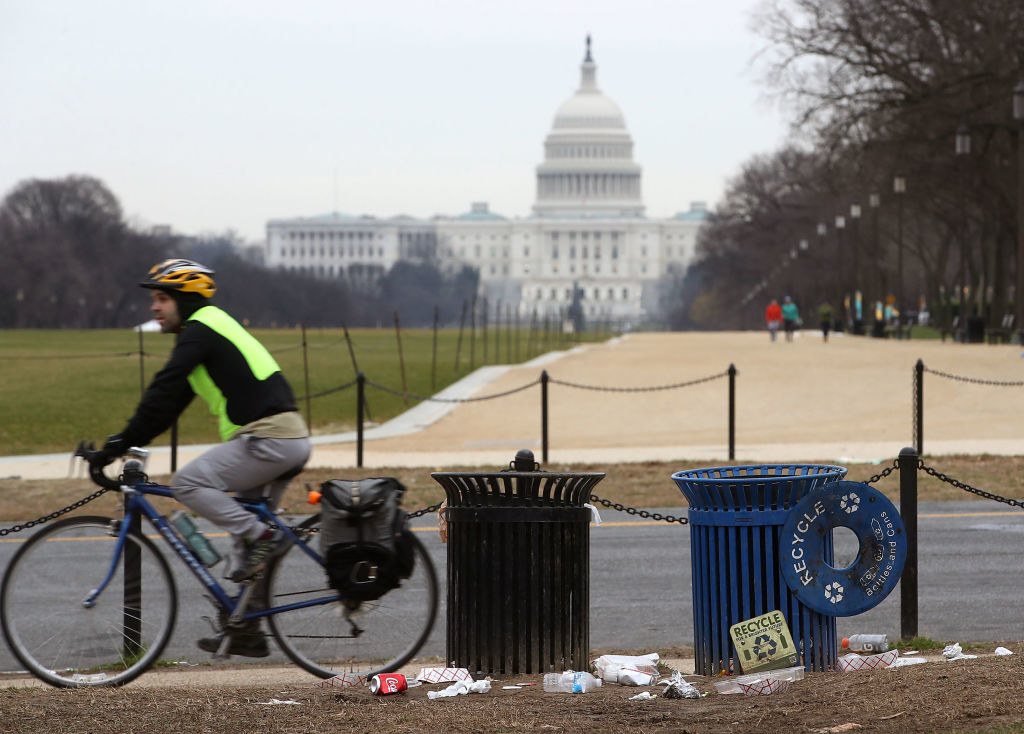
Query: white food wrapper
[(645, 696), (444, 675), (634, 677), (903, 662), (461, 688), (608, 666), (854, 662), (764, 687), (1003, 651), (595, 516), (955, 652), (342, 680)]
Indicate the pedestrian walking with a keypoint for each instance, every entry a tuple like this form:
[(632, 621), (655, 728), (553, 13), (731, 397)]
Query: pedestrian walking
[(790, 317), (773, 318)]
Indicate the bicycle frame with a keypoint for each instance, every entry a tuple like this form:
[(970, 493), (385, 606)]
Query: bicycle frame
[(136, 505)]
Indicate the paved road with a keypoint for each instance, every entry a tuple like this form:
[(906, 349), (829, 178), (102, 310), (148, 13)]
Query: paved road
[(970, 555)]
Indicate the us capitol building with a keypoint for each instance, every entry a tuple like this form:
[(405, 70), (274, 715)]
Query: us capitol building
[(587, 230)]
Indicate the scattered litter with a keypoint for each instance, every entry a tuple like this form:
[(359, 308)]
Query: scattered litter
[(903, 662), (461, 688), (853, 662), (444, 675), (343, 680), (911, 652), (595, 516), (955, 652), (384, 684), (279, 702), (764, 687), (645, 696), (1003, 651), (731, 684), (838, 729), (612, 667), (511, 688), (676, 687), (185, 663), (526, 684), (570, 681)]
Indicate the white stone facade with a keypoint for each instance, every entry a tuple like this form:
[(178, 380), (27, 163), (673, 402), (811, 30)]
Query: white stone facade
[(587, 231)]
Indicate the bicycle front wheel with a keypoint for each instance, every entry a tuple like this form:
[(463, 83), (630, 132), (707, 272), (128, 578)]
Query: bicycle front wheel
[(61, 641), (329, 639)]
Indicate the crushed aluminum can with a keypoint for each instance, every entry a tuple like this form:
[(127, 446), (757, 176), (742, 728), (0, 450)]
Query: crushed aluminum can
[(386, 683)]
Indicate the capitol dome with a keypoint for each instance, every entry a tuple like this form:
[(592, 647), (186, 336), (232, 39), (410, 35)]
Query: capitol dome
[(588, 167)]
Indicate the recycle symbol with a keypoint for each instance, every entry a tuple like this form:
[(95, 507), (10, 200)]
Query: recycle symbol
[(764, 646), (849, 502), (834, 592)]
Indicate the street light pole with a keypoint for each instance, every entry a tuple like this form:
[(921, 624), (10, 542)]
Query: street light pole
[(899, 187), (963, 149), (1018, 295), (855, 294), (875, 201), (840, 226)]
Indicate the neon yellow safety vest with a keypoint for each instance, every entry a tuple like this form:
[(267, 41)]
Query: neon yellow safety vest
[(260, 362)]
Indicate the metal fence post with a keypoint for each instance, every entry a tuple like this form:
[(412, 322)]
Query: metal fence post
[(360, 402), (919, 407), (908, 463), (732, 412), (544, 415)]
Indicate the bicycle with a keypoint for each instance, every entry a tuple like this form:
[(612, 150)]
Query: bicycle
[(91, 601)]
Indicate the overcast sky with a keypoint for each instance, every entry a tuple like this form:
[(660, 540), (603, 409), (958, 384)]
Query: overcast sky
[(209, 115)]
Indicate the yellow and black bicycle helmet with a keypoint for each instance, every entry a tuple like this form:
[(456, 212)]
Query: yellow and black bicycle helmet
[(184, 276)]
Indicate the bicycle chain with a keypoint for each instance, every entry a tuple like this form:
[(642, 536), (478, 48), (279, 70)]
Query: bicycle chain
[(618, 506), (966, 487), (53, 515)]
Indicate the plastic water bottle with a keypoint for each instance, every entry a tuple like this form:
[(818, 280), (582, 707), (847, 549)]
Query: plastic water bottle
[(866, 644), (195, 540), (570, 682)]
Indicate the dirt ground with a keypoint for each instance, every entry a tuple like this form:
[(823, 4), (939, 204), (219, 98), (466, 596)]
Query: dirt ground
[(986, 694)]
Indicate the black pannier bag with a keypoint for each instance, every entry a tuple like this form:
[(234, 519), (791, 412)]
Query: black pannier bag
[(365, 537)]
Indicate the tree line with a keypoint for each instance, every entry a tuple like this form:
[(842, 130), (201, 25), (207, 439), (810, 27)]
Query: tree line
[(70, 260), (902, 176)]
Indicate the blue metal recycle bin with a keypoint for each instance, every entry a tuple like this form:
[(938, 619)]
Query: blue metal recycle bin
[(736, 516)]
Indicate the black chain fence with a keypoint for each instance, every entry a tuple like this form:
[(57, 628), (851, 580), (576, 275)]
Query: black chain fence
[(53, 515), (435, 399), (975, 380), (673, 386)]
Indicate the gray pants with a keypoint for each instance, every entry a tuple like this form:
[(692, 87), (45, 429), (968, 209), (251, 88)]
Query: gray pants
[(247, 465)]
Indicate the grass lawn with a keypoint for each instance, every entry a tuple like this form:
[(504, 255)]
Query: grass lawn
[(59, 386)]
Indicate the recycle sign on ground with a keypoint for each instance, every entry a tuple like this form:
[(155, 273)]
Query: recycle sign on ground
[(843, 592)]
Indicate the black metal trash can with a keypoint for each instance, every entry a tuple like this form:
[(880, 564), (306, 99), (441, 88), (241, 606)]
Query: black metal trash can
[(518, 569), (736, 515)]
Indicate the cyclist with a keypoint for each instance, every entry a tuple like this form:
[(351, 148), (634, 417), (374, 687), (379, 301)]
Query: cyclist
[(265, 439)]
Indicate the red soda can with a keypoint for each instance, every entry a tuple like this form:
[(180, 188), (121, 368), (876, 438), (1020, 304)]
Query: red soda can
[(385, 683)]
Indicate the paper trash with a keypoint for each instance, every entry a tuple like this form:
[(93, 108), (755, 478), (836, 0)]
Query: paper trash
[(955, 652), (609, 667), (461, 688), (853, 662), (645, 696), (1003, 651), (444, 675), (765, 686), (342, 680), (676, 687), (732, 683), (904, 662)]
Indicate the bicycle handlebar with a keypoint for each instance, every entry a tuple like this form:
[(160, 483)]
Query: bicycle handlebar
[(88, 452)]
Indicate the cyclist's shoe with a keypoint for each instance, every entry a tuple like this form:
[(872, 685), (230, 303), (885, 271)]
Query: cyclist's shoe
[(259, 553), (246, 644)]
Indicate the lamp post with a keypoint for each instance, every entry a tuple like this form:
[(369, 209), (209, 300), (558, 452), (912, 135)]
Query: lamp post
[(1018, 295), (899, 187), (840, 223), (963, 149), (858, 313), (874, 202)]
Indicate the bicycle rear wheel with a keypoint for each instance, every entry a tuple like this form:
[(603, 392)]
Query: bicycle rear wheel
[(330, 639), (62, 642)]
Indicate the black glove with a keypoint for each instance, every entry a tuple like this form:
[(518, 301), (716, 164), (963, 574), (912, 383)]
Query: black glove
[(112, 449)]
